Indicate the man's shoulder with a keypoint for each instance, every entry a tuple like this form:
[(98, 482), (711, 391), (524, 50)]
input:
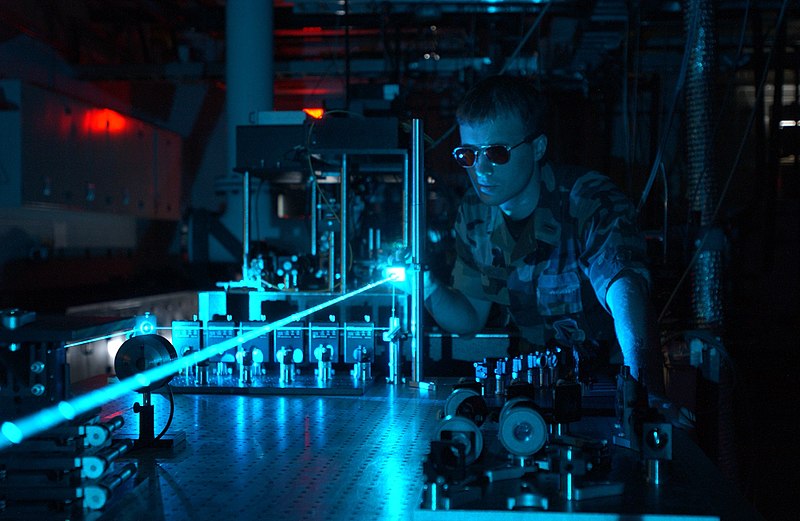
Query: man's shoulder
[(579, 182), (569, 176)]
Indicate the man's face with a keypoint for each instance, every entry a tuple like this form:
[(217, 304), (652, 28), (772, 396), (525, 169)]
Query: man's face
[(500, 185)]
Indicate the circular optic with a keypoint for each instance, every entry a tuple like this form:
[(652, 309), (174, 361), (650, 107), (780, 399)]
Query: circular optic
[(142, 353), (146, 327), (455, 399), (463, 431), (515, 402), (523, 431)]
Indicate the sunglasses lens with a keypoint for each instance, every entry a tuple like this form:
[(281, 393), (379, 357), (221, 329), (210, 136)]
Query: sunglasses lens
[(467, 156), (497, 154), (464, 156)]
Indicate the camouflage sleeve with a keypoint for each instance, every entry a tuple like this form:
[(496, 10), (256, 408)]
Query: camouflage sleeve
[(608, 237)]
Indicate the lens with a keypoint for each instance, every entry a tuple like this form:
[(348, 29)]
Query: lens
[(467, 156), (497, 154), (464, 156)]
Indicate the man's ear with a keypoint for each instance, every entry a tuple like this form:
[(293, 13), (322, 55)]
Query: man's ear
[(539, 147)]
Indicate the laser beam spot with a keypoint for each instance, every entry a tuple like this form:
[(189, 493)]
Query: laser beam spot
[(67, 410), (142, 379), (12, 432)]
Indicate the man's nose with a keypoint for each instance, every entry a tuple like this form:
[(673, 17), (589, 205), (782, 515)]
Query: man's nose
[(483, 167)]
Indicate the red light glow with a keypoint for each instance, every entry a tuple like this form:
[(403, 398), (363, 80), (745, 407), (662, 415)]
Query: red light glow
[(314, 113), (104, 120)]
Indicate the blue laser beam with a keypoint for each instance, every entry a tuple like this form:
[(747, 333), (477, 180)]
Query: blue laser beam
[(13, 432), (96, 339)]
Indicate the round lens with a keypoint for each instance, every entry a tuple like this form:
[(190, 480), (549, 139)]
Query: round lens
[(464, 156), (497, 154)]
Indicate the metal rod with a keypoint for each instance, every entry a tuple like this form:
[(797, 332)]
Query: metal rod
[(313, 214), (331, 261), (406, 190), (343, 234), (417, 234), (245, 223), (13, 432), (665, 232)]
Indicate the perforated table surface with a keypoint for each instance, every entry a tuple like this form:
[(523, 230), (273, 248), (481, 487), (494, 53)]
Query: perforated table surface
[(346, 458), (284, 457)]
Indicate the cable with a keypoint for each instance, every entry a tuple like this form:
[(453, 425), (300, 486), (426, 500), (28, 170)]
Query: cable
[(148, 443), (525, 38), (171, 414), (311, 166), (625, 123), (729, 86), (635, 109), (726, 186), (690, 41)]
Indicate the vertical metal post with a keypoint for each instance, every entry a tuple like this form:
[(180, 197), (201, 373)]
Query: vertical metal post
[(331, 261), (245, 223), (343, 234), (394, 351), (417, 235), (313, 215), (406, 190)]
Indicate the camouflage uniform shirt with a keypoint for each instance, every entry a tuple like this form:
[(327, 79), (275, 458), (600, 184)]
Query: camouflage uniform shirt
[(580, 237)]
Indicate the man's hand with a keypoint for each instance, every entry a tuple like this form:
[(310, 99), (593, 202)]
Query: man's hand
[(403, 277)]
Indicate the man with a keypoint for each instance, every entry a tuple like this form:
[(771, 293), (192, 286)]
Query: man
[(556, 246)]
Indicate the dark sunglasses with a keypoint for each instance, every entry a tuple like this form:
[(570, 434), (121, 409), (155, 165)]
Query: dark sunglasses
[(467, 155)]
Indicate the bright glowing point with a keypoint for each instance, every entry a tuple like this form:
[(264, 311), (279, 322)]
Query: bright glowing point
[(142, 379), (12, 432), (104, 120), (67, 410), (396, 273), (314, 112)]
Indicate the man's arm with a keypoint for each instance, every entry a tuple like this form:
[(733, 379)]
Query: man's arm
[(454, 311), (627, 298)]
